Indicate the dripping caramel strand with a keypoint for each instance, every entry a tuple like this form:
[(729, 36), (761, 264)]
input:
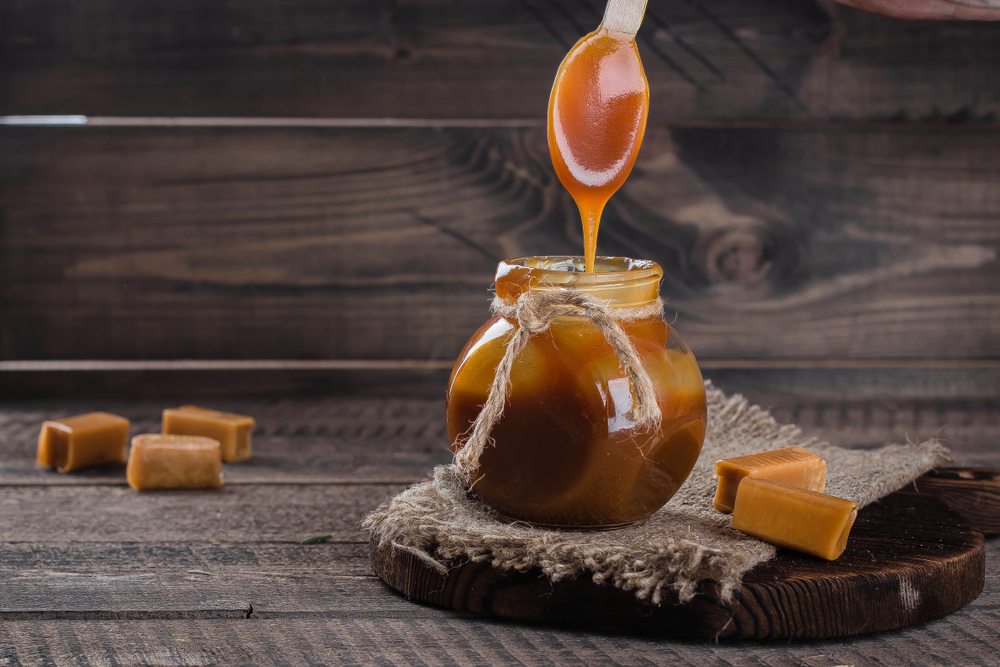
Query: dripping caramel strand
[(596, 121)]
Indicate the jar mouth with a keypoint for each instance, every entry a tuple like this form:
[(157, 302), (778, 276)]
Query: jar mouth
[(621, 281)]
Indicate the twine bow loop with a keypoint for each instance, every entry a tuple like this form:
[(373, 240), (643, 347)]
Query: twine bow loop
[(534, 313)]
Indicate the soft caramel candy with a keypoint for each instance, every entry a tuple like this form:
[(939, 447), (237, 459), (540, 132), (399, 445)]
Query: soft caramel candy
[(794, 466), (159, 461), (232, 431), (81, 441), (807, 521)]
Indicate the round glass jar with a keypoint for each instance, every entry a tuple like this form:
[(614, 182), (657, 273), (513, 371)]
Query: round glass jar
[(566, 453)]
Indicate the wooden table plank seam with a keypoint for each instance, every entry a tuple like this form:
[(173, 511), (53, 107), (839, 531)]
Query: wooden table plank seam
[(274, 584)]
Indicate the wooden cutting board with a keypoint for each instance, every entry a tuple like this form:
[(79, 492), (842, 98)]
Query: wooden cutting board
[(911, 558)]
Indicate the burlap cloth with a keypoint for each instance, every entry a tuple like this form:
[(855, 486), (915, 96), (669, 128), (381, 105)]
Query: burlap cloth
[(685, 542)]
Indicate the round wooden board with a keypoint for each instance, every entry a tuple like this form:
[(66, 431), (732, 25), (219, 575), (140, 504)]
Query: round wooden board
[(910, 559)]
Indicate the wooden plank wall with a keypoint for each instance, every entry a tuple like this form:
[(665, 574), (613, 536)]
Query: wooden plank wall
[(320, 182), (706, 59)]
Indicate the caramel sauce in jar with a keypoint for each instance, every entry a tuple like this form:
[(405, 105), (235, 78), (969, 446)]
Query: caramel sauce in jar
[(565, 453), (597, 118)]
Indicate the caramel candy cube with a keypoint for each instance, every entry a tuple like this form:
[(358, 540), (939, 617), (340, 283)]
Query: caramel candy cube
[(792, 465), (81, 441), (232, 431), (807, 521), (159, 461)]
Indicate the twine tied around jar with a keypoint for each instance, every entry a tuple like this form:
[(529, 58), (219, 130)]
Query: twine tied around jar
[(534, 313)]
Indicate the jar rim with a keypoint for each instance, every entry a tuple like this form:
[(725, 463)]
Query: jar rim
[(559, 269), (619, 280)]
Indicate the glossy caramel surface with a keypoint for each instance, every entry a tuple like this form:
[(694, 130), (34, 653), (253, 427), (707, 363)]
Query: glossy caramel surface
[(795, 466), (597, 117), (794, 518), (160, 461), (234, 432), (82, 441), (566, 453)]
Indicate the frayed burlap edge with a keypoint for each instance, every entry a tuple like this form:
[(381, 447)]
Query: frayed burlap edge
[(682, 544)]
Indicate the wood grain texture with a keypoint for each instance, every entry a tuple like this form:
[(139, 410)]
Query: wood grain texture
[(188, 387), (979, 498), (966, 637), (317, 604), (768, 382), (270, 513), (362, 59), (327, 244), (969, 427), (329, 559), (236, 591), (353, 440), (909, 560), (142, 580), (868, 60), (497, 59), (379, 440)]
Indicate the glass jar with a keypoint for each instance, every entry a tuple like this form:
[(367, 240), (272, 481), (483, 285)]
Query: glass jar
[(566, 453)]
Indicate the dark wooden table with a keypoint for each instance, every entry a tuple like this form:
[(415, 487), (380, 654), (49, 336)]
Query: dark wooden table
[(95, 573)]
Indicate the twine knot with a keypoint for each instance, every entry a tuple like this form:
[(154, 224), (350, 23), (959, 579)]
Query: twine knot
[(534, 313)]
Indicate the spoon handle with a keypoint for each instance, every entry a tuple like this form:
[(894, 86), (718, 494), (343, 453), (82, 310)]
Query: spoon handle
[(624, 15)]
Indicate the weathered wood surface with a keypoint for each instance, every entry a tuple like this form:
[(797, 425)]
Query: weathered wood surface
[(381, 244), (237, 587), (422, 59), (283, 513), (275, 601), (965, 385), (359, 441), (380, 444), (392, 441), (910, 560), (225, 385), (972, 492), (969, 427), (375, 641)]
